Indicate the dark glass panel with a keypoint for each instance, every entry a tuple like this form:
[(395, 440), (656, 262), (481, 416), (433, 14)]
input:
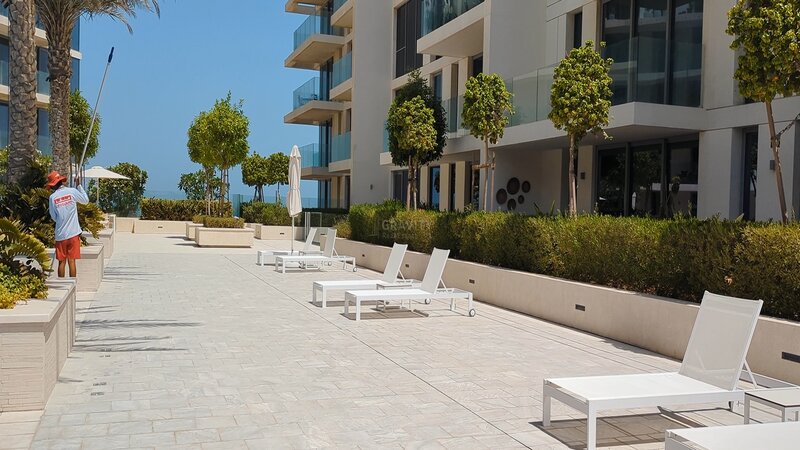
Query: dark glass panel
[(646, 181), (651, 62), (611, 182), (617, 36), (750, 174), (3, 125), (682, 178), (43, 132), (687, 53), (435, 187)]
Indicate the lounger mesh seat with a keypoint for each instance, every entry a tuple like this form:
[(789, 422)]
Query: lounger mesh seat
[(328, 256), (772, 436)]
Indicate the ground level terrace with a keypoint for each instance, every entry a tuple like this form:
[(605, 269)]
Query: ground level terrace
[(193, 348)]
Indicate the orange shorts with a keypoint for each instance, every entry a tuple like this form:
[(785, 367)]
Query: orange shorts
[(69, 249)]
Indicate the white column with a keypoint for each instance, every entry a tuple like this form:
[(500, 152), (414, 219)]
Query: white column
[(720, 176)]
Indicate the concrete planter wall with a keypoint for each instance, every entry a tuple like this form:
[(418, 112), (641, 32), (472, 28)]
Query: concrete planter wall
[(125, 224), (225, 237), (35, 340), (104, 237), (276, 233), (658, 324), (191, 229), (159, 227), (90, 267)]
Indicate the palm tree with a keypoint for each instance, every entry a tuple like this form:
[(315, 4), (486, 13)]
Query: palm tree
[(22, 87), (58, 18)]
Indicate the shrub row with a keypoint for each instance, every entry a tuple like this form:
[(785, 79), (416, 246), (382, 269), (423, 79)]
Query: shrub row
[(223, 222), (274, 214), (181, 210), (678, 258)]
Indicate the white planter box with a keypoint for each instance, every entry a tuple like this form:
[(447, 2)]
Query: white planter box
[(191, 229), (104, 237), (277, 233), (659, 324), (125, 224), (35, 340), (159, 227), (90, 268), (225, 237)]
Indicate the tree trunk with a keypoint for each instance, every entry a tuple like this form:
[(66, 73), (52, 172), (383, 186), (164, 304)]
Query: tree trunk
[(486, 176), (209, 175), (22, 89), (60, 67), (412, 179), (775, 144), (223, 190), (491, 197), (408, 188), (573, 190)]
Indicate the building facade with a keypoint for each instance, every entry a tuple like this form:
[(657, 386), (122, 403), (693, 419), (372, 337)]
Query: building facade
[(682, 138), (42, 82)]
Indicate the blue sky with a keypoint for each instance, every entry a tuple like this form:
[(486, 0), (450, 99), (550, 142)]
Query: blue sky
[(175, 66)]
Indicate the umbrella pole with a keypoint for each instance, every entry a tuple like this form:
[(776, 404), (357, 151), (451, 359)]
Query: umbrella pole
[(292, 237)]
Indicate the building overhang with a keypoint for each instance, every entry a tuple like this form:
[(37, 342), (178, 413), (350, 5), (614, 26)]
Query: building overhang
[(343, 17), (340, 168), (315, 173), (315, 51), (462, 37), (343, 92), (314, 112), (307, 7)]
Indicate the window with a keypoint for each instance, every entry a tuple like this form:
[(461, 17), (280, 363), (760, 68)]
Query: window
[(76, 35), (652, 179), (75, 82), (437, 86), (3, 125), (577, 30), (434, 188), (326, 80), (408, 31), (400, 185), (477, 65), (750, 174), (42, 72), (43, 132), (325, 142), (347, 192), (452, 169), (4, 59), (657, 50), (474, 186)]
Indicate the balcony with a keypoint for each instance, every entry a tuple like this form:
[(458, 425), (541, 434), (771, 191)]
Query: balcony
[(452, 28), (531, 96), (342, 13), (310, 107), (304, 6), (314, 162), (453, 107), (340, 148), (315, 42), (342, 79)]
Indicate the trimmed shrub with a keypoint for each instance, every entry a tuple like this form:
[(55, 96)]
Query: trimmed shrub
[(199, 218), (223, 222), (343, 229), (181, 210)]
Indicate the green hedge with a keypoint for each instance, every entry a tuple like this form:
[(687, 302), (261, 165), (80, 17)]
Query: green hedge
[(680, 258), (277, 215), (181, 210), (223, 222)]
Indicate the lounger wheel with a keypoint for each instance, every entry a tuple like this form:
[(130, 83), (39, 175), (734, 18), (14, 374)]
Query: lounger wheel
[(427, 301), (355, 269), (472, 312)]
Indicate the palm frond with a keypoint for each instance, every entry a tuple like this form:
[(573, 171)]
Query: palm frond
[(18, 250)]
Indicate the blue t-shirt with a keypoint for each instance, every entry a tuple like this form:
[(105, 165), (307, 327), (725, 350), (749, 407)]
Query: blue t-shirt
[(64, 211)]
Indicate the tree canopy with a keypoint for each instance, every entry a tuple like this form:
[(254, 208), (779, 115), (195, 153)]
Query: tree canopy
[(121, 196), (419, 87), (80, 118), (255, 173), (580, 99), (194, 185), (412, 127)]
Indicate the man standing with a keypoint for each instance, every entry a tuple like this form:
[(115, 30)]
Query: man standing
[(64, 211)]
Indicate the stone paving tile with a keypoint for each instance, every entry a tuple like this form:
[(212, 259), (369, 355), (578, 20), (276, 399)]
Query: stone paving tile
[(188, 348)]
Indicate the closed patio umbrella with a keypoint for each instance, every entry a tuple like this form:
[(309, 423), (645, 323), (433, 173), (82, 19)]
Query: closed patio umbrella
[(294, 201), (99, 173)]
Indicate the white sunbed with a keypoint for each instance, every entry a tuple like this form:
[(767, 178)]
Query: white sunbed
[(772, 436), (389, 279), (427, 291), (328, 256), (266, 257), (710, 371)]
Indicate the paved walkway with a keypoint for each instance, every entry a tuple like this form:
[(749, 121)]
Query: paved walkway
[(187, 348)]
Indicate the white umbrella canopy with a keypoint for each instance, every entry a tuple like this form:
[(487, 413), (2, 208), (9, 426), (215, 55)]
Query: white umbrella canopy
[(294, 201), (99, 173)]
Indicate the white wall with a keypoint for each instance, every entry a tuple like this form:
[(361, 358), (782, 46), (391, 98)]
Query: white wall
[(544, 169)]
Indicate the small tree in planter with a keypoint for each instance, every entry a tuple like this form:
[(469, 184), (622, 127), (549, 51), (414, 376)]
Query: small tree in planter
[(487, 106), (766, 34), (255, 173), (278, 172), (200, 153), (411, 126), (122, 197), (580, 99), (194, 185), (80, 119)]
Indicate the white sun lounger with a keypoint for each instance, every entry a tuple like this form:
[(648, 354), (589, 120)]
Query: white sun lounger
[(772, 436), (268, 256), (710, 371), (427, 291), (328, 256), (389, 279)]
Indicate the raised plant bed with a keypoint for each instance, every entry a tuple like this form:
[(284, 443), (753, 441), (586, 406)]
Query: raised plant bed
[(35, 340), (90, 267), (191, 230), (225, 237), (160, 227), (276, 233), (659, 324), (125, 224), (104, 237)]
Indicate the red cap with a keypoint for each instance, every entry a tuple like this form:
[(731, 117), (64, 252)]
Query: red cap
[(54, 178)]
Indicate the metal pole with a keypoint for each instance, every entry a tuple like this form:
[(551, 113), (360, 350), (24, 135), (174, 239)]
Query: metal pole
[(94, 114)]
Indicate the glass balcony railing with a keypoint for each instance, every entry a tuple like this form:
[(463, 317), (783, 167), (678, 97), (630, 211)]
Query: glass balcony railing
[(338, 4), (385, 139), (436, 13), (308, 92), (343, 69), (531, 96), (340, 148), (316, 24), (453, 107), (311, 156), (42, 83)]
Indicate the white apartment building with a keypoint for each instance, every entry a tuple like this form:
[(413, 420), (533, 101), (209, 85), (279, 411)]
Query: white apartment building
[(683, 139), (42, 83)]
